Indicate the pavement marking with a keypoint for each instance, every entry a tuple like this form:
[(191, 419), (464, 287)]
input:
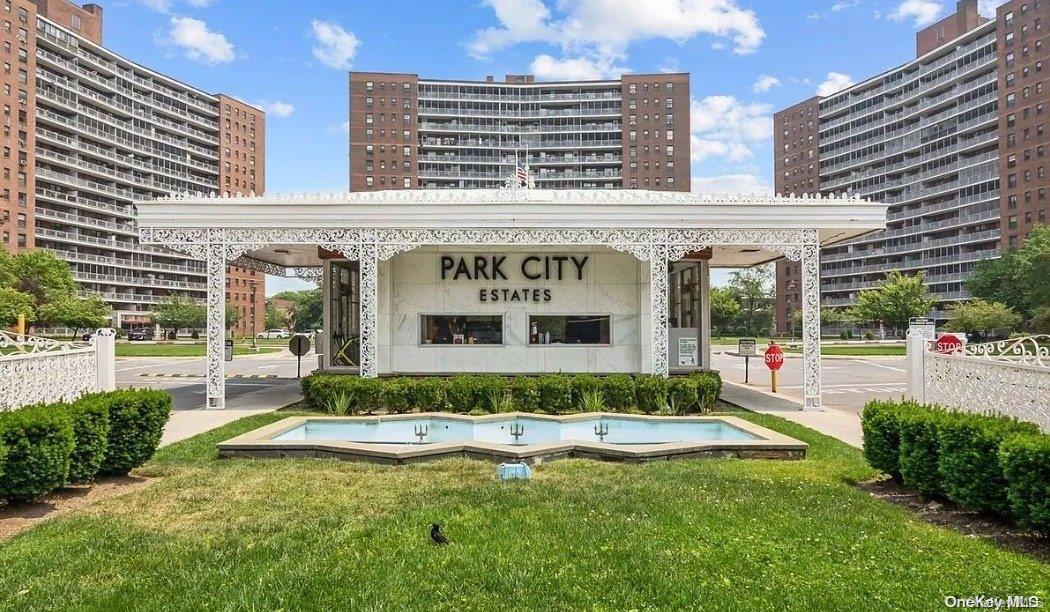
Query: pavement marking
[(151, 365), (879, 365)]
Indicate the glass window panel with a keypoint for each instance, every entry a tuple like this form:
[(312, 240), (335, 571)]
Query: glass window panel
[(581, 329), (461, 329)]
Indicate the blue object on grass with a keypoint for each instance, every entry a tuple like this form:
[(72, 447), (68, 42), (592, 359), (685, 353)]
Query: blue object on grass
[(514, 471)]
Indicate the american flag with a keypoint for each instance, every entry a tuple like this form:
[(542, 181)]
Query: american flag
[(521, 174)]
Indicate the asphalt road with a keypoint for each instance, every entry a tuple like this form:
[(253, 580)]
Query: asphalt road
[(244, 374), (848, 382)]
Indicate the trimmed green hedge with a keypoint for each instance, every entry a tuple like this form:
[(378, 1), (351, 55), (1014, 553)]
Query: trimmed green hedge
[(987, 463), (969, 459), (487, 393), (90, 419), (39, 441), (136, 422), (46, 447), (1025, 461), (880, 422)]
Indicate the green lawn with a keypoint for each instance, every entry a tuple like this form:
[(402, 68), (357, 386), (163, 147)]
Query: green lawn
[(321, 534), (133, 349)]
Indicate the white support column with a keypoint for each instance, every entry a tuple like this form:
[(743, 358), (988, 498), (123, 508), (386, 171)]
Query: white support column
[(369, 266), (658, 307), (705, 314), (810, 257), (216, 331), (105, 359), (916, 365)]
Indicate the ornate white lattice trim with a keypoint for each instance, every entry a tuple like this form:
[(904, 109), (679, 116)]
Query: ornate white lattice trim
[(810, 256), (1029, 350), (265, 267), (514, 196), (31, 345), (216, 331)]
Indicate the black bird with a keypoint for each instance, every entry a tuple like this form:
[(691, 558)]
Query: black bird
[(436, 535)]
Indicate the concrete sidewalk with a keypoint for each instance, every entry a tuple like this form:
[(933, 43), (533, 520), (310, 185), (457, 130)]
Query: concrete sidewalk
[(838, 424), (187, 423)]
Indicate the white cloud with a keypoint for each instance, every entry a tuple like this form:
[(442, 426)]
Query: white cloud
[(834, 83), (838, 7), (764, 83), (670, 64), (164, 6), (547, 68), (334, 46), (276, 108), (342, 128), (604, 29), (987, 7), (923, 12), (732, 184), (198, 42), (723, 126)]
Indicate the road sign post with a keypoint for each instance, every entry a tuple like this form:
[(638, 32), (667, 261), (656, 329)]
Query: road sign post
[(746, 348), (774, 358), (299, 346)]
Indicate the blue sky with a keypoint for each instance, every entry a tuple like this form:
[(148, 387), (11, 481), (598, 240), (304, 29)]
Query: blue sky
[(747, 58)]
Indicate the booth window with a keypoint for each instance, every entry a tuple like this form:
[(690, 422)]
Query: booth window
[(582, 329), (461, 329)]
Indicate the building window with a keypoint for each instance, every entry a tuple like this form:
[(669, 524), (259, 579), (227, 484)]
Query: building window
[(581, 329), (447, 330)]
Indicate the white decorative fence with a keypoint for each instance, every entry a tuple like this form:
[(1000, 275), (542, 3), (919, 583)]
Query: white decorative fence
[(1010, 377), (39, 370)]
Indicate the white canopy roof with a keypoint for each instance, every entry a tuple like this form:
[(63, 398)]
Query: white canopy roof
[(835, 219)]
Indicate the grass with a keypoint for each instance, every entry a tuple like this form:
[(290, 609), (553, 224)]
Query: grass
[(131, 349), (321, 534)]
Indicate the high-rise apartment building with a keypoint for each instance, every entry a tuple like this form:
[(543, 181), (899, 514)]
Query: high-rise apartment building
[(954, 141), (407, 132), (87, 133)]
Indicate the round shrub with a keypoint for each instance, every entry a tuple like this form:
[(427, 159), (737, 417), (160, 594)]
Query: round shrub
[(582, 386), (428, 394), (968, 462), (489, 392), (1026, 469), (919, 449), (39, 441), (650, 392), (90, 420), (394, 395), (869, 336), (136, 422), (842, 335), (460, 393), (618, 391), (882, 439), (555, 393), (367, 393), (525, 394), (708, 389), (682, 394)]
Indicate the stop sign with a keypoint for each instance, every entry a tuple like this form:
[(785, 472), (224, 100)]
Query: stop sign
[(774, 357), (948, 343)]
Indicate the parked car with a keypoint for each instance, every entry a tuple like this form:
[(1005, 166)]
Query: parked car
[(273, 334), (86, 337), (141, 334)]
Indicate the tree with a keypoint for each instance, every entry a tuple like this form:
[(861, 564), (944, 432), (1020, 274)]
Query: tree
[(274, 316), (982, 318), (43, 276), (12, 304), (752, 288), (725, 310), (895, 300), (307, 309), (177, 312), (233, 316), (7, 275), (75, 313), (1020, 279)]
